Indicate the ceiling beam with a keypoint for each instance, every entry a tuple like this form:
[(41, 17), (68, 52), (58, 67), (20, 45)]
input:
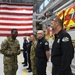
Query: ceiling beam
[(66, 4), (50, 6)]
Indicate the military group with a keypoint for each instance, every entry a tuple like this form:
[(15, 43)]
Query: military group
[(62, 51)]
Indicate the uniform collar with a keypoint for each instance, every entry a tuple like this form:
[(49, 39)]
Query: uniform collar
[(40, 39), (34, 42), (57, 35), (10, 38), (59, 32)]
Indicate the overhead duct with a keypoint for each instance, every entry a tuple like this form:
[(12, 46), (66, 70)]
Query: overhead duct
[(60, 8), (50, 6), (69, 2), (38, 14), (37, 20)]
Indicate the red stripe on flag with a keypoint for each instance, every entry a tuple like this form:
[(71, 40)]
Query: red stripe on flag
[(28, 34), (18, 14), (15, 19), (6, 8), (11, 19), (18, 24), (9, 29), (15, 4)]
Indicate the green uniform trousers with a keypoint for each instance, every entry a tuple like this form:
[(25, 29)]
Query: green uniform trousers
[(10, 69)]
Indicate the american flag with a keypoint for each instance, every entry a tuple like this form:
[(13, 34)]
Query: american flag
[(19, 16)]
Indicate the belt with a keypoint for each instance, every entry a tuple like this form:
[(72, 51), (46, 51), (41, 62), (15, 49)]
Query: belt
[(41, 58)]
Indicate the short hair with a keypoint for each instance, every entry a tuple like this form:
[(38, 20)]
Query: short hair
[(40, 31), (34, 35), (13, 30), (59, 20)]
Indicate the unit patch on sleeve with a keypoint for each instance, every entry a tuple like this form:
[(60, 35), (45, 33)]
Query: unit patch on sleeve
[(65, 39)]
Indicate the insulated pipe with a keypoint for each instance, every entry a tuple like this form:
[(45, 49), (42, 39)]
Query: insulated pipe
[(70, 1), (50, 6)]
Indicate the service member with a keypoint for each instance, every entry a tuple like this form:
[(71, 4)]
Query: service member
[(25, 44), (62, 49), (29, 50), (10, 48), (42, 53), (33, 54)]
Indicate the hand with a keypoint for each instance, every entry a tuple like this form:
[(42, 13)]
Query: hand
[(18, 52), (15, 53)]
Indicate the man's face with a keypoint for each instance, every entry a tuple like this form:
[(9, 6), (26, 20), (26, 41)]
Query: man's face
[(40, 35), (53, 24), (24, 38), (14, 33), (32, 37)]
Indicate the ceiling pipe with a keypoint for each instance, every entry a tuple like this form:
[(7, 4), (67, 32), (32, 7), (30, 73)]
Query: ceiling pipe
[(63, 6), (36, 20), (66, 4), (37, 14), (51, 6)]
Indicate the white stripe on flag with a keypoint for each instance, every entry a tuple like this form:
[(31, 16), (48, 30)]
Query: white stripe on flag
[(16, 22), (8, 16), (16, 16), (17, 11), (20, 27)]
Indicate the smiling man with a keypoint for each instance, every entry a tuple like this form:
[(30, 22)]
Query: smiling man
[(62, 51), (10, 48)]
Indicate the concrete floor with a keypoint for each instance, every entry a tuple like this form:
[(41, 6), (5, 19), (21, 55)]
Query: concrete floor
[(22, 70)]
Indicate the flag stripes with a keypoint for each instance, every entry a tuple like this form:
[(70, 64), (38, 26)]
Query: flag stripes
[(19, 16)]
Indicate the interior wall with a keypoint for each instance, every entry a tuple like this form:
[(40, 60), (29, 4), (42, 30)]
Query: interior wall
[(72, 33)]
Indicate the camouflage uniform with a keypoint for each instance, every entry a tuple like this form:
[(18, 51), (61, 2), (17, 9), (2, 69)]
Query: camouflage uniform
[(33, 58), (8, 46)]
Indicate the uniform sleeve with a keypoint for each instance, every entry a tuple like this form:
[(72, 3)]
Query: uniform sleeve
[(25, 45), (18, 48), (4, 48), (27, 42), (46, 45), (67, 53)]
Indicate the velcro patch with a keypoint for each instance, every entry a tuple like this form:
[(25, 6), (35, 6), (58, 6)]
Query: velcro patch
[(65, 39), (46, 43), (58, 41)]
